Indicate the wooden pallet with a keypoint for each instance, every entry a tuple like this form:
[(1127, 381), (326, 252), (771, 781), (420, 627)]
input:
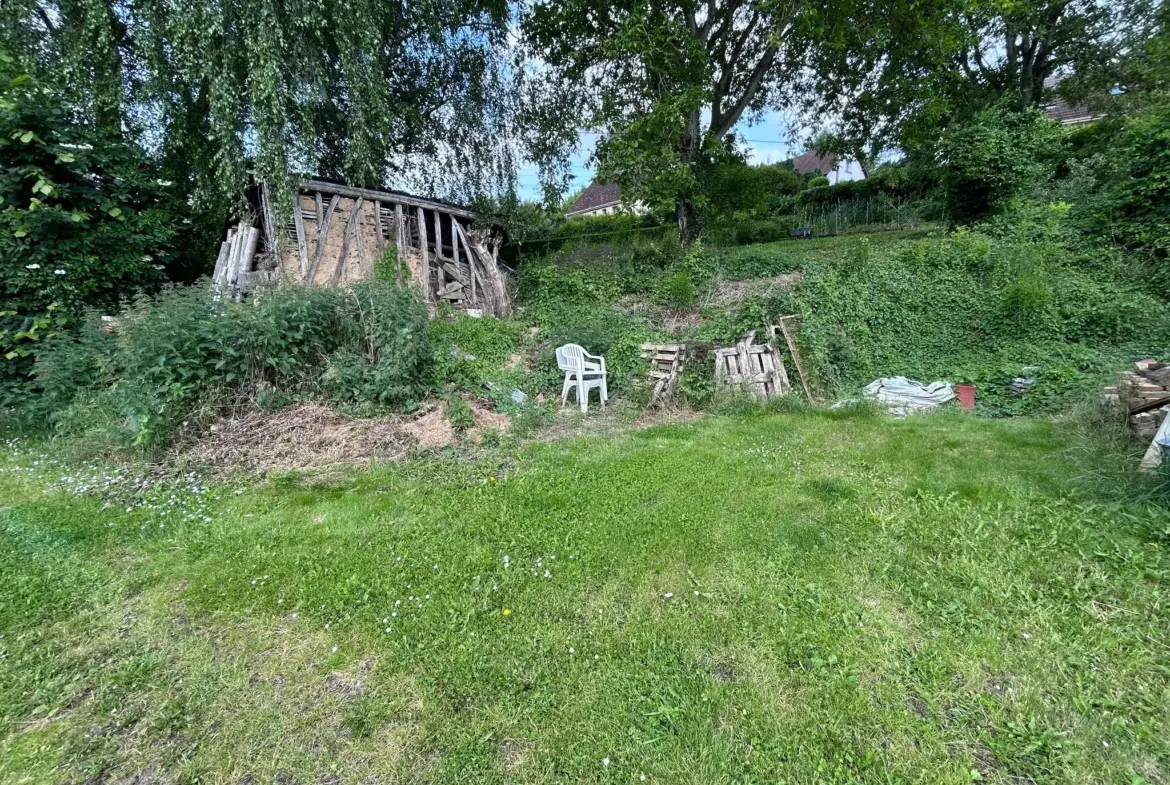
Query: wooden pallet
[(757, 369), (666, 363)]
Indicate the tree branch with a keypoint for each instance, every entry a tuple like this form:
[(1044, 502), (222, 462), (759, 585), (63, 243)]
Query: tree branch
[(721, 126)]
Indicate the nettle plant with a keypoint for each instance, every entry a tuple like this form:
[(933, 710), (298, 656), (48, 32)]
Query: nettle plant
[(85, 221)]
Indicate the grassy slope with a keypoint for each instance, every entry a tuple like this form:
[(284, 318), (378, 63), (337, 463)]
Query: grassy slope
[(878, 601)]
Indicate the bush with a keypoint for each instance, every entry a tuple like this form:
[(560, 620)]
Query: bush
[(389, 363), (87, 222), (187, 351), (994, 157)]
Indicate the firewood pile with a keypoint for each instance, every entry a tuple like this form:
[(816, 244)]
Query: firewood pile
[(1143, 392)]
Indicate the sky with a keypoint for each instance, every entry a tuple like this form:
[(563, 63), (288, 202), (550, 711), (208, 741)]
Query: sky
[(765, 141)]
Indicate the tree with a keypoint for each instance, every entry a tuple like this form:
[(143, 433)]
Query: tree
[(666, 81), (992, 158), (892, 74), (85, 220), (363, 90)]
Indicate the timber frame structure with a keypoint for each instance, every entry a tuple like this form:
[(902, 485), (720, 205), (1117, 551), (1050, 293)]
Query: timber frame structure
[(334, 235)]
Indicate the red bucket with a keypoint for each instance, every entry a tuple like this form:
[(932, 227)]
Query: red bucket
[(967, 397)]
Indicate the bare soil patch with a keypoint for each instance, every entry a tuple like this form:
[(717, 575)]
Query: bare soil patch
[(312, 436)]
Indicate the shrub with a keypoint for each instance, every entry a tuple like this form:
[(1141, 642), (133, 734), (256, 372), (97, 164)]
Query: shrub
[(677, 291), (389, 364), (187, 351), (989, 160), (459, 414), (87, 221)]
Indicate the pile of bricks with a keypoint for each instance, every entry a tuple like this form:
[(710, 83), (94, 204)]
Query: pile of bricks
[(1144, 393)]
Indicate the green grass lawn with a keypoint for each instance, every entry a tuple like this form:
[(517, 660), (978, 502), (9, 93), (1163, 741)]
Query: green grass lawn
[(800, 598)]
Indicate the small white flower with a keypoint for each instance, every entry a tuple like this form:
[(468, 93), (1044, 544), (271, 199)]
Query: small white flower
[(386, 620), (696, 594), (547, 574), (32, 267), (436, 567), (327, 625), (605, 761), (58, 272), (642, 778), (427, 597), (1027, 636), (571, 650), (668, 595), (387, 629), (280, 602), (335, 649)]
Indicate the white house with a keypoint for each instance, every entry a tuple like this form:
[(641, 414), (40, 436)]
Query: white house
[(838, 170)]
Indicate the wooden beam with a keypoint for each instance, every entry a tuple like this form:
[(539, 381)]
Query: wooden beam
[(322, 232), (790, 340), (381, 244), (383, 196), (271, 232), (400, 240), (426, 255), (470, 256), (248, 252), (221, 260), (299, 222), (350, 222), (439, 249), (359, 235)]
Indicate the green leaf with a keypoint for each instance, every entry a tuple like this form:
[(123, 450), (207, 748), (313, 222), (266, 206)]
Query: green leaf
[(26, 137), (115, 212)]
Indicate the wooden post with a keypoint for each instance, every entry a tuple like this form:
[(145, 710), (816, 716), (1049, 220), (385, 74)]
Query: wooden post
[(400, 242), (791, 342), (462, 238), (338, 271), (426, 257), (247, 252), (322, 231), (363, 263), (381, 244), (299, 223), (439, 250), (271, 232), (221, 260)]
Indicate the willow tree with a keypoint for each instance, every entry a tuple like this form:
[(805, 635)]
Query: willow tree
[(666, 81), (367, 90)]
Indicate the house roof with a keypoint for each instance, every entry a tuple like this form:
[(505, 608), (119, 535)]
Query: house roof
[(807, 163), (1057, 109), (596, 196)]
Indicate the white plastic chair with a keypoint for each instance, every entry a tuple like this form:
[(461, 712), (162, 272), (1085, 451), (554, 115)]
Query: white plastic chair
[(583, 373)]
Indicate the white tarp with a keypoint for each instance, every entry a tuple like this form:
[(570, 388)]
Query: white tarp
[(906, 396)]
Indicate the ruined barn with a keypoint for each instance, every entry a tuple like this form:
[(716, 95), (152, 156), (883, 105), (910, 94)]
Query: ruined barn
[(336, 235)]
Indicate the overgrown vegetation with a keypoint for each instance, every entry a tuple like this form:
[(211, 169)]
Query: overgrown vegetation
[(179, 357)]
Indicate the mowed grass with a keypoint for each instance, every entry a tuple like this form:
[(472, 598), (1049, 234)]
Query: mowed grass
[(800, 598)]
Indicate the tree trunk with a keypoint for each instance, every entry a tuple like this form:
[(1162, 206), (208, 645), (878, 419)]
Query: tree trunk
[(684, 205), (684, 211)]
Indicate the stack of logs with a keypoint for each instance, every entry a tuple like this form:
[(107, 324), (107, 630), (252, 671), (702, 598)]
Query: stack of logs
[(235, 258), (1143, 392)]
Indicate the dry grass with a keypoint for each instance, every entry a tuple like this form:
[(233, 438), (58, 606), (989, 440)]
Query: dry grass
[(312, 436)]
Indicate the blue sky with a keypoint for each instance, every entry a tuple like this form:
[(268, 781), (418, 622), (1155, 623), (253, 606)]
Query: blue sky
[(765, 139)]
